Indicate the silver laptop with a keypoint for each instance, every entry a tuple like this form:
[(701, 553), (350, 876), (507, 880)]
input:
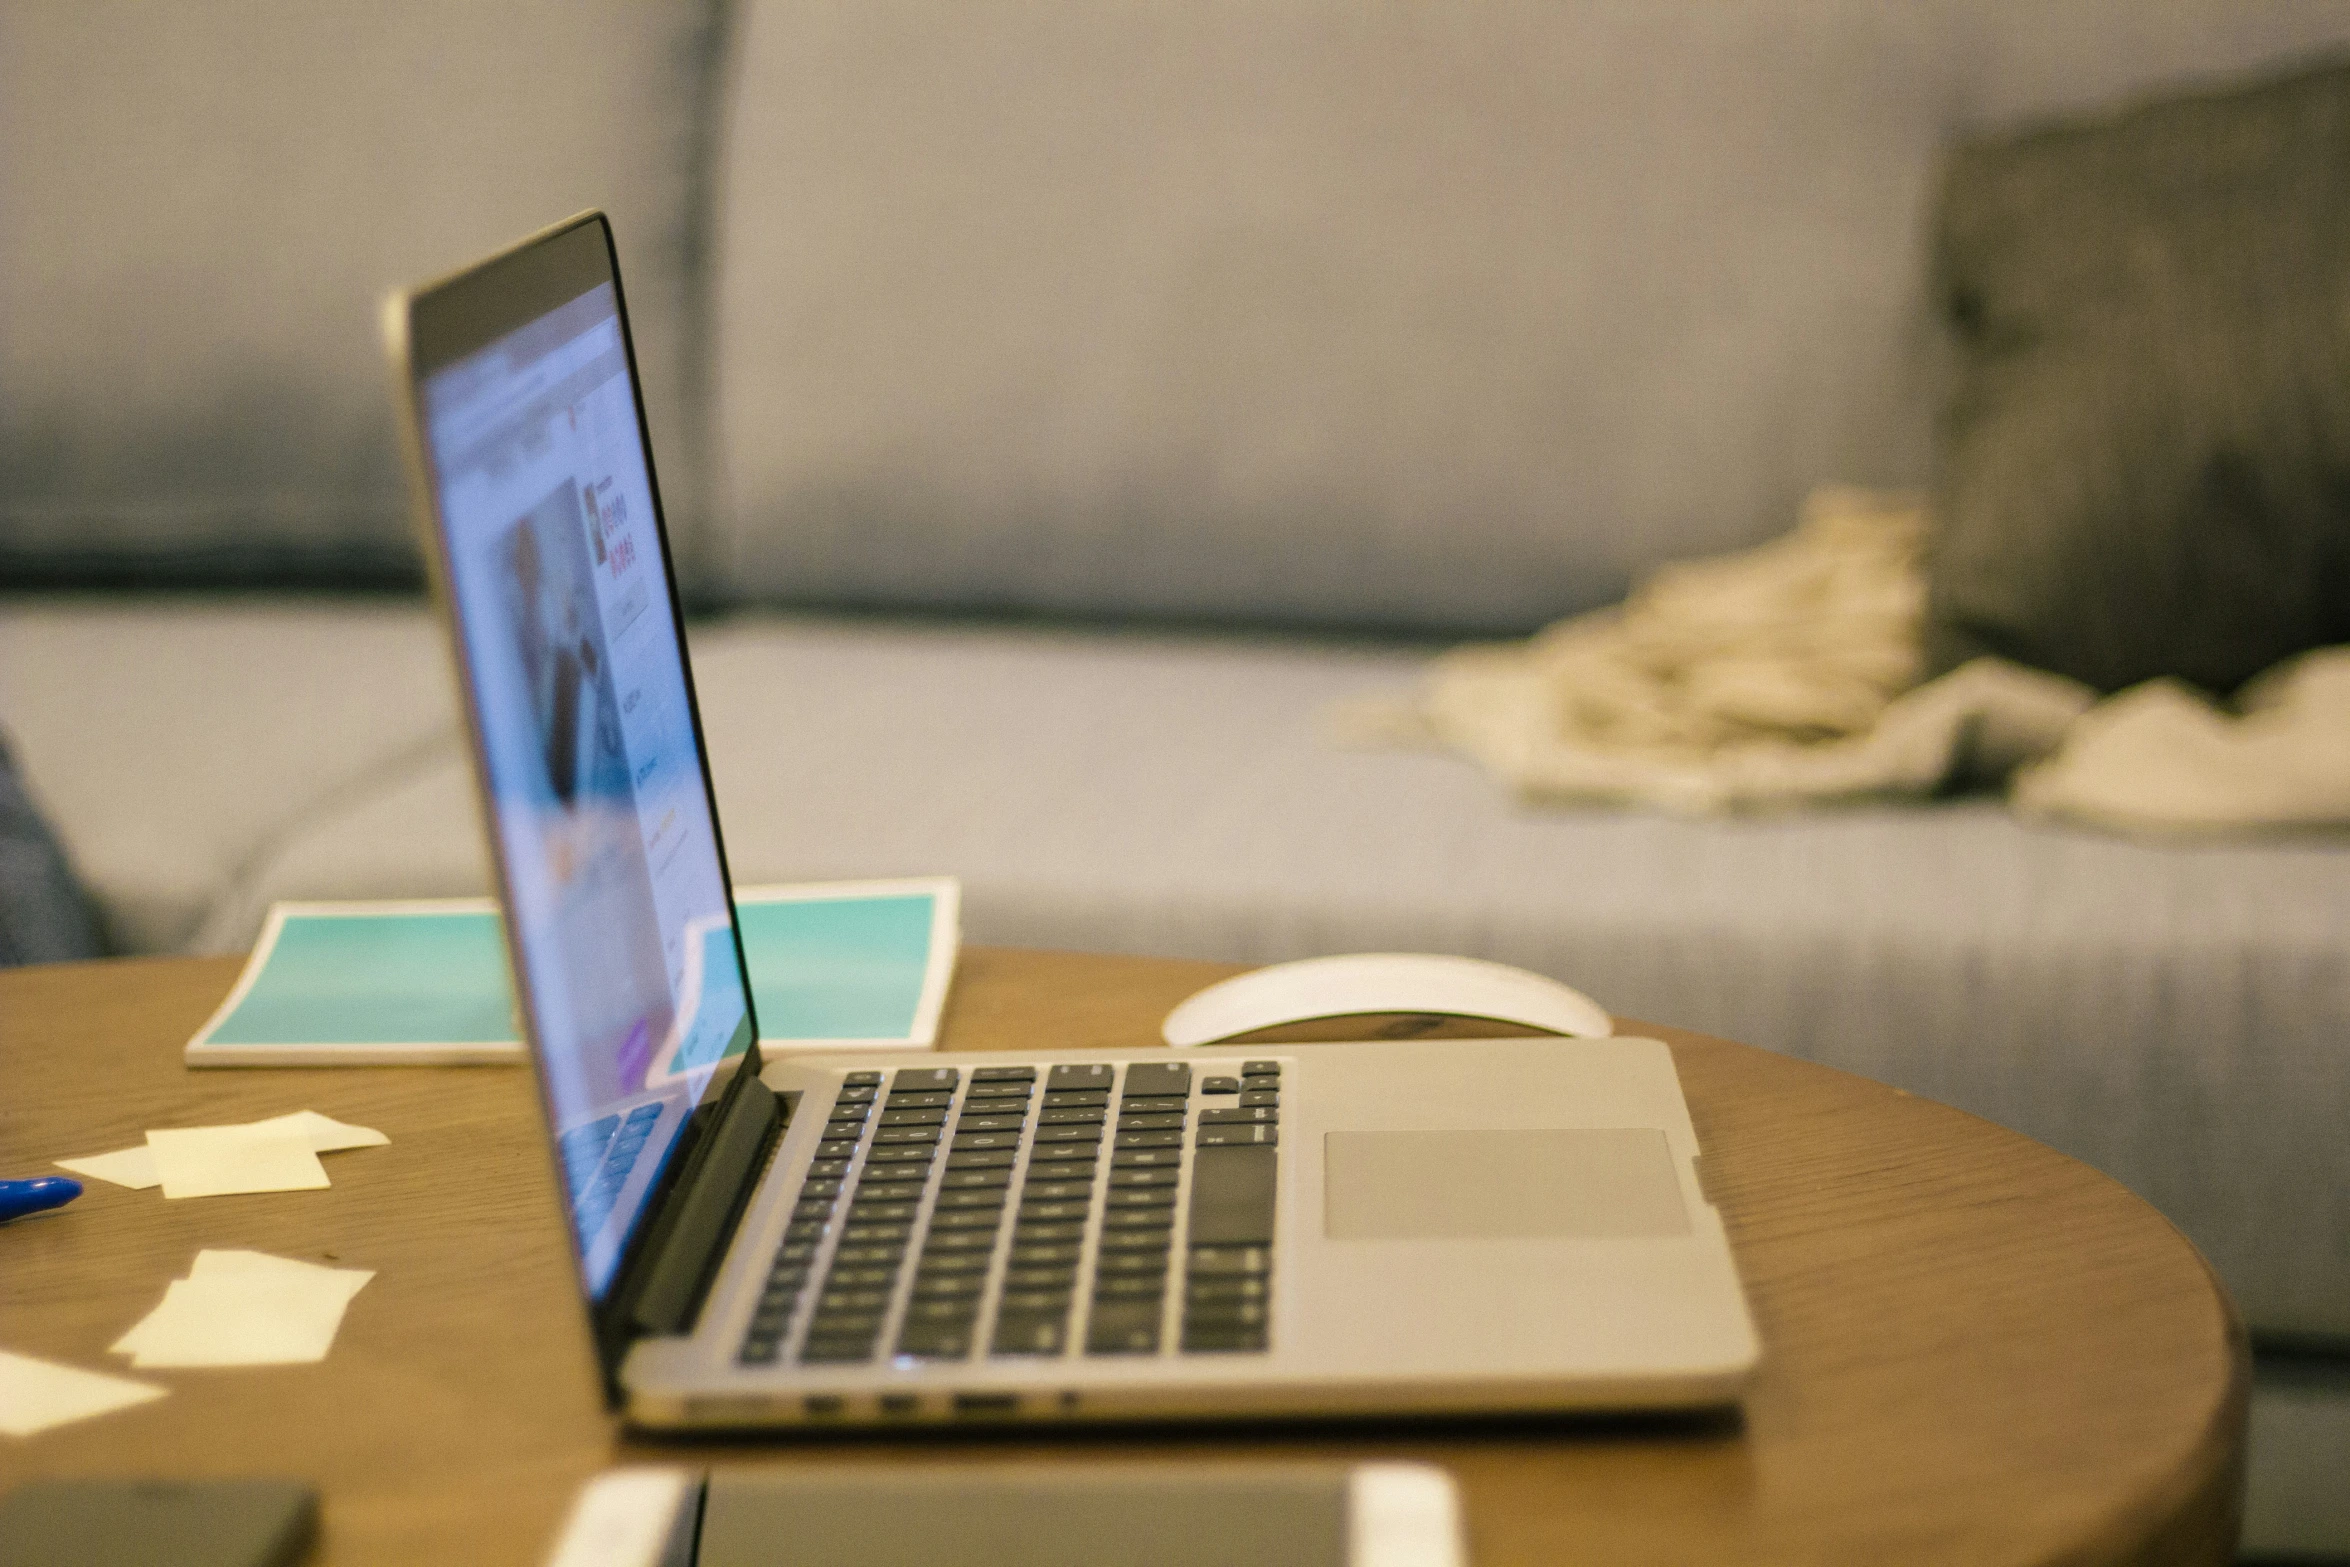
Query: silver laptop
[(1070, 1236)]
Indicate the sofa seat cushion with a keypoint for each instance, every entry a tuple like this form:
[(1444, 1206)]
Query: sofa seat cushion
[(2175, 1016), (173, 742)]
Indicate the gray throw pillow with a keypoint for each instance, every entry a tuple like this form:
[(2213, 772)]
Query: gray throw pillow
[(2146, 462), (45, 916)]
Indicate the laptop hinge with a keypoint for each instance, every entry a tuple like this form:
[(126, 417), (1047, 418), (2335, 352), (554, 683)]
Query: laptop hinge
[(678, 1273)]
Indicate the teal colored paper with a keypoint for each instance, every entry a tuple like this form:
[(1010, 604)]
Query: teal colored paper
[(837, 968), (381, 979), (842, 968)]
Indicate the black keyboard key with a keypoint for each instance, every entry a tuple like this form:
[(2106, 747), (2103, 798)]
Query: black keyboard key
[(1049, 1281), (868, 1256), (836, 1303), (887, 1185), (865, 1277), (1270, 1098), (1229, 1261), (828, 1165), (1158, 1077), (908, 1153), (985, 1142), (924, 1079), (1131, 1219), (1155, 1123), (795, 1250), (1074, 1115), (812, 1208), (1134, 1241), (1242, 1115), (1214, 1341), (864, 1212), (1149, 1140), (1030, 1333), (836, 1351), (841, 1324), (1145, 1104), (966, 1219), (835, 1148), (1123, 1328), (1142, 1196), (1003, 1074), (998, 1093), (1065, 1077), (943, 1263), (949, 1286), (1219, 1085), (1260, 1069), (760, 1351), (970, 1175), (989, 1123), (1068, 1134), (1146, 1159), (935, 1341), (897, 1136), (943, 1241), (1130, 1286), (1238, 1136), (1042, 1189), (1078, 1099), (1232, 1196), (1077, 1153), (1067, 1232), (922, 1117), (1122, 1179), (1223, 1314), (1150, 1261), (1202, 1289), (1029, 1255), (826, 1186), (1052, 1211), (856, 1093), (971, 1197), (961, 1158), (861, 1233), (942, 1310)]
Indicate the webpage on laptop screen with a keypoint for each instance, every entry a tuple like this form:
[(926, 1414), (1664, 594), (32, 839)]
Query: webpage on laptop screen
[(618, 905)]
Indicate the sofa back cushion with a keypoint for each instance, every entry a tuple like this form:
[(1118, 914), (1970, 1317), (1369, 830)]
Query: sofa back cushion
[(1304, 311), (200, 205)]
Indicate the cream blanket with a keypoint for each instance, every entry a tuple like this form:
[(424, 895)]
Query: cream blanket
[(1788, 675)]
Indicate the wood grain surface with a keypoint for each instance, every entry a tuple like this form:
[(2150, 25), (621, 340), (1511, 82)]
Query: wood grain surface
[(1976, 1350)]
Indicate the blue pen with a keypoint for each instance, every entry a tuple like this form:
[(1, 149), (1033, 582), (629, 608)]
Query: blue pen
[(38, 1195)]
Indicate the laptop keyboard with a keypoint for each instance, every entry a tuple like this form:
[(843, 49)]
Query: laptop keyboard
[(599, 1157), (1010, 1211)]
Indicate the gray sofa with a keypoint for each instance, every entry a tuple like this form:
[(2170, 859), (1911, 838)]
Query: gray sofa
[(1060, 406)]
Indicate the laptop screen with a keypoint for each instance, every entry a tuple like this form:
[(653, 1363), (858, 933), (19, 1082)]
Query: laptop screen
[(617, 903)]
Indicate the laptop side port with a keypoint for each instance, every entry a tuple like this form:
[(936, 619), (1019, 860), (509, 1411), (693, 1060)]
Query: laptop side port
[(824, 1406), (982, 1405), (901, 1405)]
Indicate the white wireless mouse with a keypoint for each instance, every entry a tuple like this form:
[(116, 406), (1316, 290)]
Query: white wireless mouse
[(1416, 986)]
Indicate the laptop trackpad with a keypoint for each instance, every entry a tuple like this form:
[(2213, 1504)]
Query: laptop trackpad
[(1528, 1184)]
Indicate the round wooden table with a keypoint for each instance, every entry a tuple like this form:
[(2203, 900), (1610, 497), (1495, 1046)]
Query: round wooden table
[(1975, 1349)]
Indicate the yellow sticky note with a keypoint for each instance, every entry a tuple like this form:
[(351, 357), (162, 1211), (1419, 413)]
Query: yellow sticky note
[(325, 1133), (38, 1394), (131, 1167), (221, 1161)]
